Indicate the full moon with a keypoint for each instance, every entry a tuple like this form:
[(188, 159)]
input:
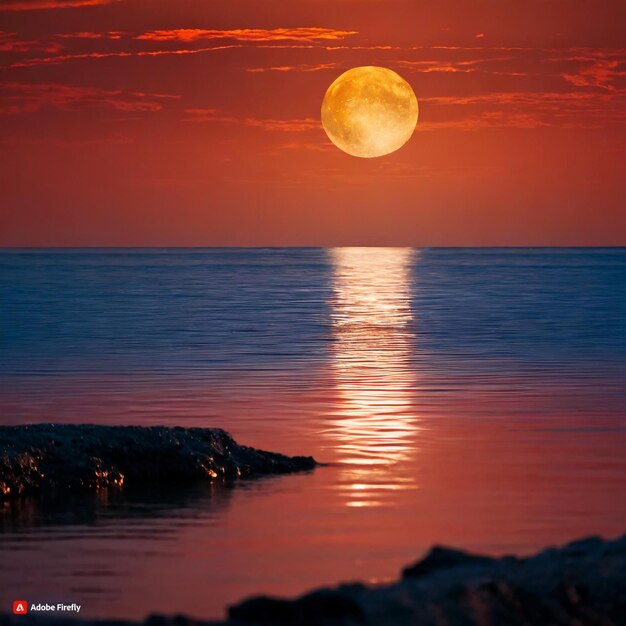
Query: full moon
[(369, 111)]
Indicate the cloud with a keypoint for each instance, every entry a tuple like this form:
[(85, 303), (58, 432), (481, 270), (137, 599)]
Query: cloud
[(438, 66), (63, 58), (187, 38), (601, 73), (488, 119), (464, 87), (598, 67), (189, 35), (215, 115), (302, 67), (30, 5), (30, 98), (9, 42), (326, 146), (519, 88), (115, 138), (113, 34), (520, 98), (523, 110)]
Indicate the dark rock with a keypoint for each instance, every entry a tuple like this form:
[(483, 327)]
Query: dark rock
[(44, 457), (264, 611), (327, 606), (581, 584), (440, 557), (505, 601)]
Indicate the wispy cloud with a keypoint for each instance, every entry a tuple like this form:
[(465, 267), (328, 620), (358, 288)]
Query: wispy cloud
[(601, 73), (439, 66), (62, 58), (142, 44), (115, 138), (10, 42), (29, 98), (112, 34), (217, 116), (523, 110), (486, 120), (520, 98), (325, 146), (481, 86), (247, 34), (31, 5), (302, 67)]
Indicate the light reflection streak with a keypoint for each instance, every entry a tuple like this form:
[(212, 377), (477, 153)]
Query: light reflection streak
[(374, 425)]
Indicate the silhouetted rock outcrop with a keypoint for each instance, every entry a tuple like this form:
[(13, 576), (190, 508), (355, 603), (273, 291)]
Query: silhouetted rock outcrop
[(581, 584), (88, 457), (441, 558)]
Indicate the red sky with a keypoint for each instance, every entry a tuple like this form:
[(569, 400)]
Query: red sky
[(196, 122)]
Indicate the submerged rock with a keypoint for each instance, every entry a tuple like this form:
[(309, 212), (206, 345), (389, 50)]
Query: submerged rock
[(42, 457), (581, 584)]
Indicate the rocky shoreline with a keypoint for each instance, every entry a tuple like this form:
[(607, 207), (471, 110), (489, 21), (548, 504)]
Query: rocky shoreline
[(580, 584), (50, 457)]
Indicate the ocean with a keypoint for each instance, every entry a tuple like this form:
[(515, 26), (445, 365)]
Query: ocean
[(471, 397)]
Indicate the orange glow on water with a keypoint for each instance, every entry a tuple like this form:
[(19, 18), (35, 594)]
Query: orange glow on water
[(374, 425)]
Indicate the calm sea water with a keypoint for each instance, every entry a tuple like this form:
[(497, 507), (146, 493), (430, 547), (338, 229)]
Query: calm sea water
[(473, 397)]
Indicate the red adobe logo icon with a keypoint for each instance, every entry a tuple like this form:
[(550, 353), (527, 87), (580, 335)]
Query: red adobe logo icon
[(20, 607)]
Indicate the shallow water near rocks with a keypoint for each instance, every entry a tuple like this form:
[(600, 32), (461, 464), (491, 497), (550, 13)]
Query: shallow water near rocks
[(472, 397)]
